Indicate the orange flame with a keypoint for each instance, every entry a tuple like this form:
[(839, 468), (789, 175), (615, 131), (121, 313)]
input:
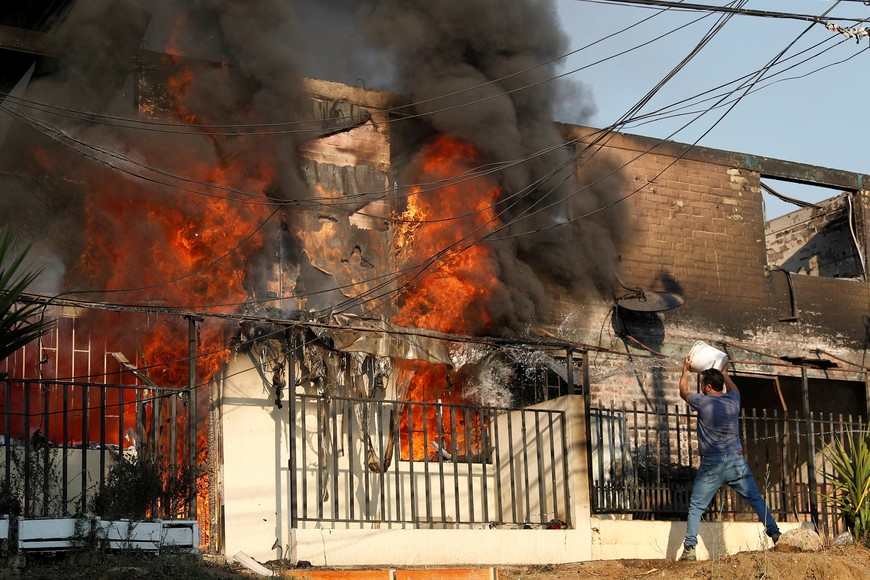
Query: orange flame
[(454, 283), (181, 249)]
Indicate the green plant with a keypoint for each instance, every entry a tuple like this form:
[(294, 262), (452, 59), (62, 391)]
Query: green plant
[(850, 478), (19, 323), (131, 490), (139, 488)]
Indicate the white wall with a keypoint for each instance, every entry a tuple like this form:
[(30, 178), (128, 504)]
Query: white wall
[(255, 474), (256, 508), (626, 539)]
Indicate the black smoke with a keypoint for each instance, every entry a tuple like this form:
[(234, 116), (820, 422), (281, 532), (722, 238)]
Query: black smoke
[(497, 59)]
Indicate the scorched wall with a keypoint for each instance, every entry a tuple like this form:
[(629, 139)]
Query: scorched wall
[(697, 229)]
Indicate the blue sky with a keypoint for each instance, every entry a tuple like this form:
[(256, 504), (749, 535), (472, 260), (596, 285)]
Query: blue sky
[(821, 118)]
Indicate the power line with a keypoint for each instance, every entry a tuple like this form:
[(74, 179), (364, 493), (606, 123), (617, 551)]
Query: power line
[(687, 6), (629, 117), (667, 112), (450, 251), (410, 268), (259, 199)]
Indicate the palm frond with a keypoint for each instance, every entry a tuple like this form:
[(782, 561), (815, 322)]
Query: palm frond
[(849, 476), (20, 322)]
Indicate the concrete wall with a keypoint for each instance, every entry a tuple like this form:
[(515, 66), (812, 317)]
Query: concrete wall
[(255, 492), (442, 547), (254, 474), (625, 539)]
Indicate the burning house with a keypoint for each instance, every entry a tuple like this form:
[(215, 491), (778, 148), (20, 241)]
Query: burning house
[(421, 326)]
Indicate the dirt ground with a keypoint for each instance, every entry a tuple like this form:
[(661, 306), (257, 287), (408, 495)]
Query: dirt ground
[(841, 563), (835, 563)]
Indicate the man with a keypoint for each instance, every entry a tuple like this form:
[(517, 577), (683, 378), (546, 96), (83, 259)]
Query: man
[(722, 461)]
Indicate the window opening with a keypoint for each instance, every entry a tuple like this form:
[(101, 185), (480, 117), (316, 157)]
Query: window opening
[(812, 230)]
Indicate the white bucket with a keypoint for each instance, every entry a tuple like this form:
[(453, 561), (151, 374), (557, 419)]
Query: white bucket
[(703, 357)]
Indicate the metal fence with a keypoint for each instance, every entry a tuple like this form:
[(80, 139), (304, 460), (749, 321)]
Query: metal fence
[(61, 439), (643, 463), (412, 464), (426, 465)]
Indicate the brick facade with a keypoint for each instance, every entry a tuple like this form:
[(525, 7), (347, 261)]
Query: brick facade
[(696, 229)]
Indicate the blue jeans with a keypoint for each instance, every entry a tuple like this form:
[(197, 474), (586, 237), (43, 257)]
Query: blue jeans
[(712, 473)]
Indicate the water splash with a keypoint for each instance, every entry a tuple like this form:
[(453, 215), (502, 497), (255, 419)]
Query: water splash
[(638, 365), (484, 375)]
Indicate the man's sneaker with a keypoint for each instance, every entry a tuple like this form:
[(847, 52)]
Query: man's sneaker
[(775, 537), (688, 555)]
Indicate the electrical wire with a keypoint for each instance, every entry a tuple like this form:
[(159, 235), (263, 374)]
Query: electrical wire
[(633, 110), (586, 215), (259, 196), (446, 254), (49, 300), (219, 186), (671, 110), (687, 6), (226, 188), (746, 87), (663, 6)]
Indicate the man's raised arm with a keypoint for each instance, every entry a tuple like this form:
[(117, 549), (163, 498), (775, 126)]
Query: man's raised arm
[(730, 387), (684, 380)]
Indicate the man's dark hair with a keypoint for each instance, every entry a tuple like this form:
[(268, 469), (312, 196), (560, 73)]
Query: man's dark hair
[(713, 378)]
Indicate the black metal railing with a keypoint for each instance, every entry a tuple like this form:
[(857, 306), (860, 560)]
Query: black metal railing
[(60, 440), (432, 465), (643, 463)]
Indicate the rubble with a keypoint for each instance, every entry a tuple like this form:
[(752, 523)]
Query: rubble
[(799, 540)]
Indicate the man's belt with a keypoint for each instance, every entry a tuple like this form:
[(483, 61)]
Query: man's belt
[(723, 454)]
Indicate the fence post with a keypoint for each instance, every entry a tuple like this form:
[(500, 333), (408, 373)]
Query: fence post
[(569, 371), (85, 439), (7, 432), (191, 410), (867, 392), (292, 354), (811, 449), (587, 418), (28, 448)]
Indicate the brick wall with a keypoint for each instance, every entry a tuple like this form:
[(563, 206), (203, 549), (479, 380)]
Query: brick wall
[(696, 229)]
